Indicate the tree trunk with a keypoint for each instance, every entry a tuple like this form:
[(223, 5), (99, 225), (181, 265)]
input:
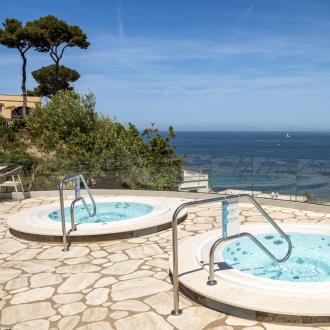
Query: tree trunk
[(57, 73), (24, 84)]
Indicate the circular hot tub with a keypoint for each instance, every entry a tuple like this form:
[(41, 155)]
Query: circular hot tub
[(248, 281), (116, 217)]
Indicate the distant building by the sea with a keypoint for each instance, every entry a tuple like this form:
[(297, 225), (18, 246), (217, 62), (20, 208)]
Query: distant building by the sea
[(12, 105), (195, 182)]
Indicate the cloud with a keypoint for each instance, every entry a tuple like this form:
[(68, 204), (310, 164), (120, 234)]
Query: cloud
[(121, 35)]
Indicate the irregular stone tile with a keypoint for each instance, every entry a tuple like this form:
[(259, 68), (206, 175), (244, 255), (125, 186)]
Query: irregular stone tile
[(16, 283), (200, 226), (57, 253), (96, 326), (168, 234), (105, 281), (37, 266), (68, 322), (26, 254), (32, 325), (139, 273), (33, 295), (233, 320), (99, 261), (74, 261), (143, 321), (79, 268), (130, 305), (26, 312), (94, 246), (144, 251), (8, 274), (13, 292), (118, 315), (270, 326), (54, 318), (94, 314), (44, 279), (78, 282), (194, 318), (138, 240), (256, 218), (9, 245), (209, 213), (66, 298), (99, 254), (138, 287), (97, 296), (161, 275), (72, 308), (163, 302), (281, 215), (119, 247), (123, 267), (118, 257), (161, 263)]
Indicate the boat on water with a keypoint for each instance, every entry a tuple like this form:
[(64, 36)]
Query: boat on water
[(288, 135)]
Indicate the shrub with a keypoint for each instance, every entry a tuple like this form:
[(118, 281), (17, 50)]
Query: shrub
[(69, 136)]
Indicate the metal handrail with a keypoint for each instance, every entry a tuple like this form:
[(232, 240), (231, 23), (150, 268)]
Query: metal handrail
[(77, 177), (175, 270), (212, 281)]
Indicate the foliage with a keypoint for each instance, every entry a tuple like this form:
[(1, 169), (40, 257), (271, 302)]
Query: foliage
[(15, 35), (67, 135), (49, 83), (54, 37)]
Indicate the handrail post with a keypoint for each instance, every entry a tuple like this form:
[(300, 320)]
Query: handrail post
[(65, 243), (176, 310)]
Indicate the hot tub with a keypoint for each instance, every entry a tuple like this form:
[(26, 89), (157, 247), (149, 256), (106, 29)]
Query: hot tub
[(248, 281), (130, 215)]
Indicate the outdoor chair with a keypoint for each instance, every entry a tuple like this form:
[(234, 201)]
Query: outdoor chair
[(12, 179)]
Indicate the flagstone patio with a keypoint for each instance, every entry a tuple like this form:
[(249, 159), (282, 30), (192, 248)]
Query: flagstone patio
[(120, 284)]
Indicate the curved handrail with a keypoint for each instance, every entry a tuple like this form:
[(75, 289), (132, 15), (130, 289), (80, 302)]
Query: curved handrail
[(175, 270), (212, 281), (67, 178)]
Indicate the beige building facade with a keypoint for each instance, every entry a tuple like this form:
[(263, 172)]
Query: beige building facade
[(11, 105)]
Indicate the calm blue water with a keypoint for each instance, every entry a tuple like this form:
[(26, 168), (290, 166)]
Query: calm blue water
[(106, 212), (309, 261), (260, 161), (254, 144)]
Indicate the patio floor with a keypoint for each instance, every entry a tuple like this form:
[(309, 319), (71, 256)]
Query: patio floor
[(121, 284)]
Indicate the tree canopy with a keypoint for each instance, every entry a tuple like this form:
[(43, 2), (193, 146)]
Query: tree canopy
[(49, 83), (15, 35), (55, 35)]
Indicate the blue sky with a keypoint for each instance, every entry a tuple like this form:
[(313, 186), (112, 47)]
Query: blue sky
[(204, 65)]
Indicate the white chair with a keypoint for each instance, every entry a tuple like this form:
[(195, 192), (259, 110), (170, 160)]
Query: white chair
[(12, 179)]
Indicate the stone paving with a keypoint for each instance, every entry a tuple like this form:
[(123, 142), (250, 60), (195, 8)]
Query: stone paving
[(119, 284)]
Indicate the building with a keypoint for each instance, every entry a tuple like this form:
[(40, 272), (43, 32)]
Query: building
[(195, 182), (11, 105)]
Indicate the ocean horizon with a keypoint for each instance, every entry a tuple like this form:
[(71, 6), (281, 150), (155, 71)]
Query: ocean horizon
[(292, 163)]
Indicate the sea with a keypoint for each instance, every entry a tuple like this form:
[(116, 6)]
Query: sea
[(296, 163)]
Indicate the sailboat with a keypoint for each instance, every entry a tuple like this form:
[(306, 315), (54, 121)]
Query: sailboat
[(287, 135)]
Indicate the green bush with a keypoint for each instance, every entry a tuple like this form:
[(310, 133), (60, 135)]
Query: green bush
[(67, 135)]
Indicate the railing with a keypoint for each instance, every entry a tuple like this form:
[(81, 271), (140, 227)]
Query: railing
[(77, 177), (175, 270), (300, 180)]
